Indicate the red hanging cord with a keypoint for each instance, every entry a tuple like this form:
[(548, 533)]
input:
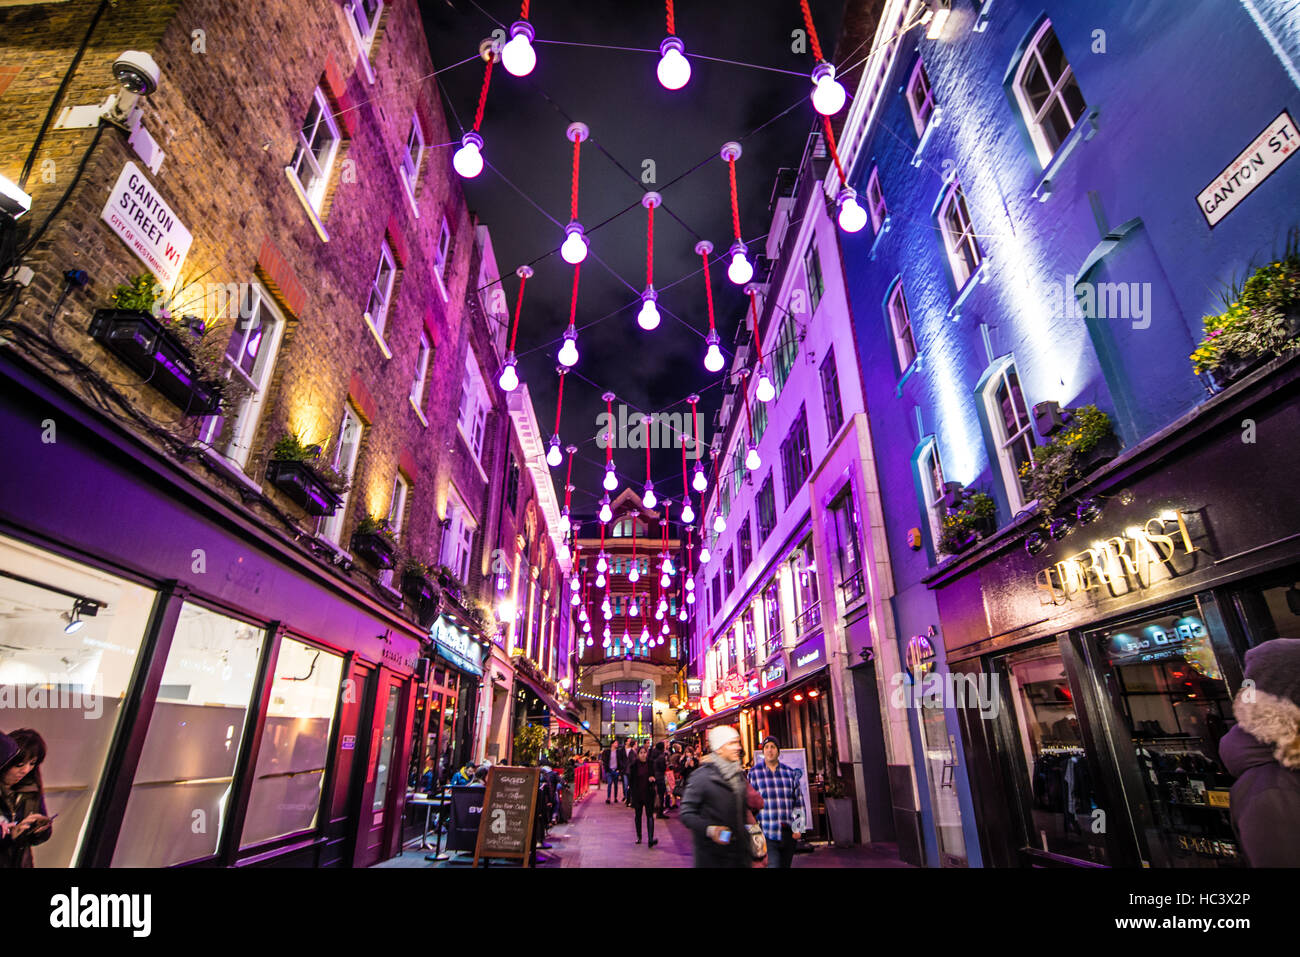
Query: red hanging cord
[(686, 485), (748, 421), (573, 299), (609, 436), (735, 203), (812, 30), (559, 402), (482, 97), (753, 312), (523, 13), (573, 205), (568, 481), (646, 419), (523, 272), (835, 153), (650, 245), (708, 284), (672, 21), (695, 421)]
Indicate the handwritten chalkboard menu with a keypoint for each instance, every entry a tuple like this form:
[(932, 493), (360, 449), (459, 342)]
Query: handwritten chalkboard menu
[(506, 826)]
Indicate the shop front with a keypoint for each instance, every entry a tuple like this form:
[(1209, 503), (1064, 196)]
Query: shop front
[(447, 711), (1094, 678), (208, 694)]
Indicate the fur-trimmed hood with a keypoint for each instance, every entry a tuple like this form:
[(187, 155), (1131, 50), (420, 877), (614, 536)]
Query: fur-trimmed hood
[(1272, 721)]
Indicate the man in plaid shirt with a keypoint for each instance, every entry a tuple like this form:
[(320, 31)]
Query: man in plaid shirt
[(782, 818)]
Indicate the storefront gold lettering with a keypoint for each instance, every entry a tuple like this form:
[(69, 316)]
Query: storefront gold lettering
[(1118, 565)]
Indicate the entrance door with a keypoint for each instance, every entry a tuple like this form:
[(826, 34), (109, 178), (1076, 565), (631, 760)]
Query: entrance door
[(380, 775)]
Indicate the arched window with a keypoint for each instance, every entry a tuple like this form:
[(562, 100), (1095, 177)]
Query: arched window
[(1047, 92)]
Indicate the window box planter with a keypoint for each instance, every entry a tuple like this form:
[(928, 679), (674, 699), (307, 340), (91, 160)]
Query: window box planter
[(450, 586), (158, 355), (418, 588), (375, 548), (1104, 451), (1233, 367), (303, 486)]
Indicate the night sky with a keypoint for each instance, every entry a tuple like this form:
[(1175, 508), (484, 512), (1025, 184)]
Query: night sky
[(523, 193)]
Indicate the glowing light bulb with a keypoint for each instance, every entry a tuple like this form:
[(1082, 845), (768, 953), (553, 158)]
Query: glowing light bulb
[(852, 216), (752, 461), (605, 643), (553, 455), (648, 499), (713, 360), (600, 580), (611, 479), (688, 514), (601, 564), (704, 555), (582, 615), (634, 609), (468, 160), (664, 580), (719, 523), (663, 630), (509, 378), (659, 613), (764, 391), (690, 600), (674, 69), (576, 599), (634, 576), (605, 513), (569, 351), (518, 55), (565, 524), (668, 566), (574, 249), (699, 481), (586, 626), (681, 615), (648, 317), (690, 584), (627, 639), (740, 271), (828, 94)]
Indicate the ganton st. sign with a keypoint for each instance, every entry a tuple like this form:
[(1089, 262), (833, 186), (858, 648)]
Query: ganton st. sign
[(1273, 147)]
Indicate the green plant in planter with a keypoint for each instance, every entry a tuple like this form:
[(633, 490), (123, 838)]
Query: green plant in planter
[(290, 448), (448, 578), (369, 525), (411, 565), (141, 294), (529, 739), (835, 787), (965, 520), (1260, 318), (1056, 463)]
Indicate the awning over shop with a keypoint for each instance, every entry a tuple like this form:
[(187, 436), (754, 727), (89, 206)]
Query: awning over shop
[(704, 722), (456, 646), (536, 687)]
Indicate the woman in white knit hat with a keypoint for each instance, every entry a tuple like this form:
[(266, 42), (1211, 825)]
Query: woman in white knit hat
[(713, 806)]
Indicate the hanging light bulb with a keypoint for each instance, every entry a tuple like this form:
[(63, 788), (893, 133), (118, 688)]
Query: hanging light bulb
[(611, 479), (690, 600), (601, 563), (668, 567), (518, 55), (648, 499), (569, 351), (576, 599), (590, 642), (740, 271), (468, 160), (509, 378), (852, 216), (704, 555), (752, 461), (605, 643), (648, 317), (690, 584), (719, 523), (582, 615), (600, 580), (828, 93), (553, 455), (605, 513), (627, 638), (681, 615), (713, 360), (664, 630), (764, 391), (699, 481), (586, 626), (574, 249), (688, 514), (674, 69), (634, 575), (659, 613), (664, 580), (565, 525), (645, 634), (634, 609)]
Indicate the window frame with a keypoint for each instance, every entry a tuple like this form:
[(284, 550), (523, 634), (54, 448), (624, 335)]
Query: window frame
[(928, 463), (954, 200), (332, 525), (924, 111), (423, 358), (411, 165), (397, 502), (875, 197), (1004, 442), (321, 172), (832, 399), (1039, 133), (475, 430), (385, 296), (812, 266), (905, 350), (365, 37), (766, 496)]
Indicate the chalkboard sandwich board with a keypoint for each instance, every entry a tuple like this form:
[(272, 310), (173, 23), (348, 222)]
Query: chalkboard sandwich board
[(509, 810)]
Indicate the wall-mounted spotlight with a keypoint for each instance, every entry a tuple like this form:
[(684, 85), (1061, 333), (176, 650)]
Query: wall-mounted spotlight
[(1089, 510), (86, 607)]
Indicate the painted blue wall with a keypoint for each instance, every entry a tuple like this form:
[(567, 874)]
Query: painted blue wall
[(1180, 87)]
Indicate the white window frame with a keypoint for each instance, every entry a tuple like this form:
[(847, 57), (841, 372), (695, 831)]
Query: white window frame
[(412, 162), (930, 466), (332, 526), (397, 503), (249, 413), (381, 294), (1038, 132), (440, 258), (1002, 440), (421, 381), (955, 199), (458, 539), (921, 112), (474, 404), (876, 201), (315, 188), (367, 31), (895, 305)]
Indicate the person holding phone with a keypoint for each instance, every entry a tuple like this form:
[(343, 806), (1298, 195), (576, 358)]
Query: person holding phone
[(23, 821), (713, 807)]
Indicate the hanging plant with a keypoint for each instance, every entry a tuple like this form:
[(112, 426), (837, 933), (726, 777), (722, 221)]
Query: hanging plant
[(967, 523), (1073, 453), (290, 448), (1261, 318)]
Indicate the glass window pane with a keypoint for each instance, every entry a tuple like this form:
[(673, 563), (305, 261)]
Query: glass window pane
[(68, 688), (182, 784), (295, 743)]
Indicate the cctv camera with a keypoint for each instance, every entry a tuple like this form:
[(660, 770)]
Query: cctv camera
[(137, 72)]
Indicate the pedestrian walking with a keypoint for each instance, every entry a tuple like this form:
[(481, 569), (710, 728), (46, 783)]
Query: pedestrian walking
[(642, 792), (1263, 751), (23, 821), (629, 755), (782, 817), (659, 767), (614, 761), (713, 807)]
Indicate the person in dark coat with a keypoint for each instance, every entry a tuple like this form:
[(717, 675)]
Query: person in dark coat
[(23, 821), (1263, 751), (641, 792), (659, 767), (713, 807), (613, 763)]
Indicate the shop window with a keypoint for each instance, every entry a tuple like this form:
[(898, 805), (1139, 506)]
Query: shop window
[(387, 745), (1173, 704), (250, 359), (318, 145), (346, 450), (766, 509), (294, 754), (182, 785), (66, 682), (900, 322), (1061, 791), (1013, 434), (959, 240), (846, 536), (1047, 93), (920, 97), (831, 394)]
